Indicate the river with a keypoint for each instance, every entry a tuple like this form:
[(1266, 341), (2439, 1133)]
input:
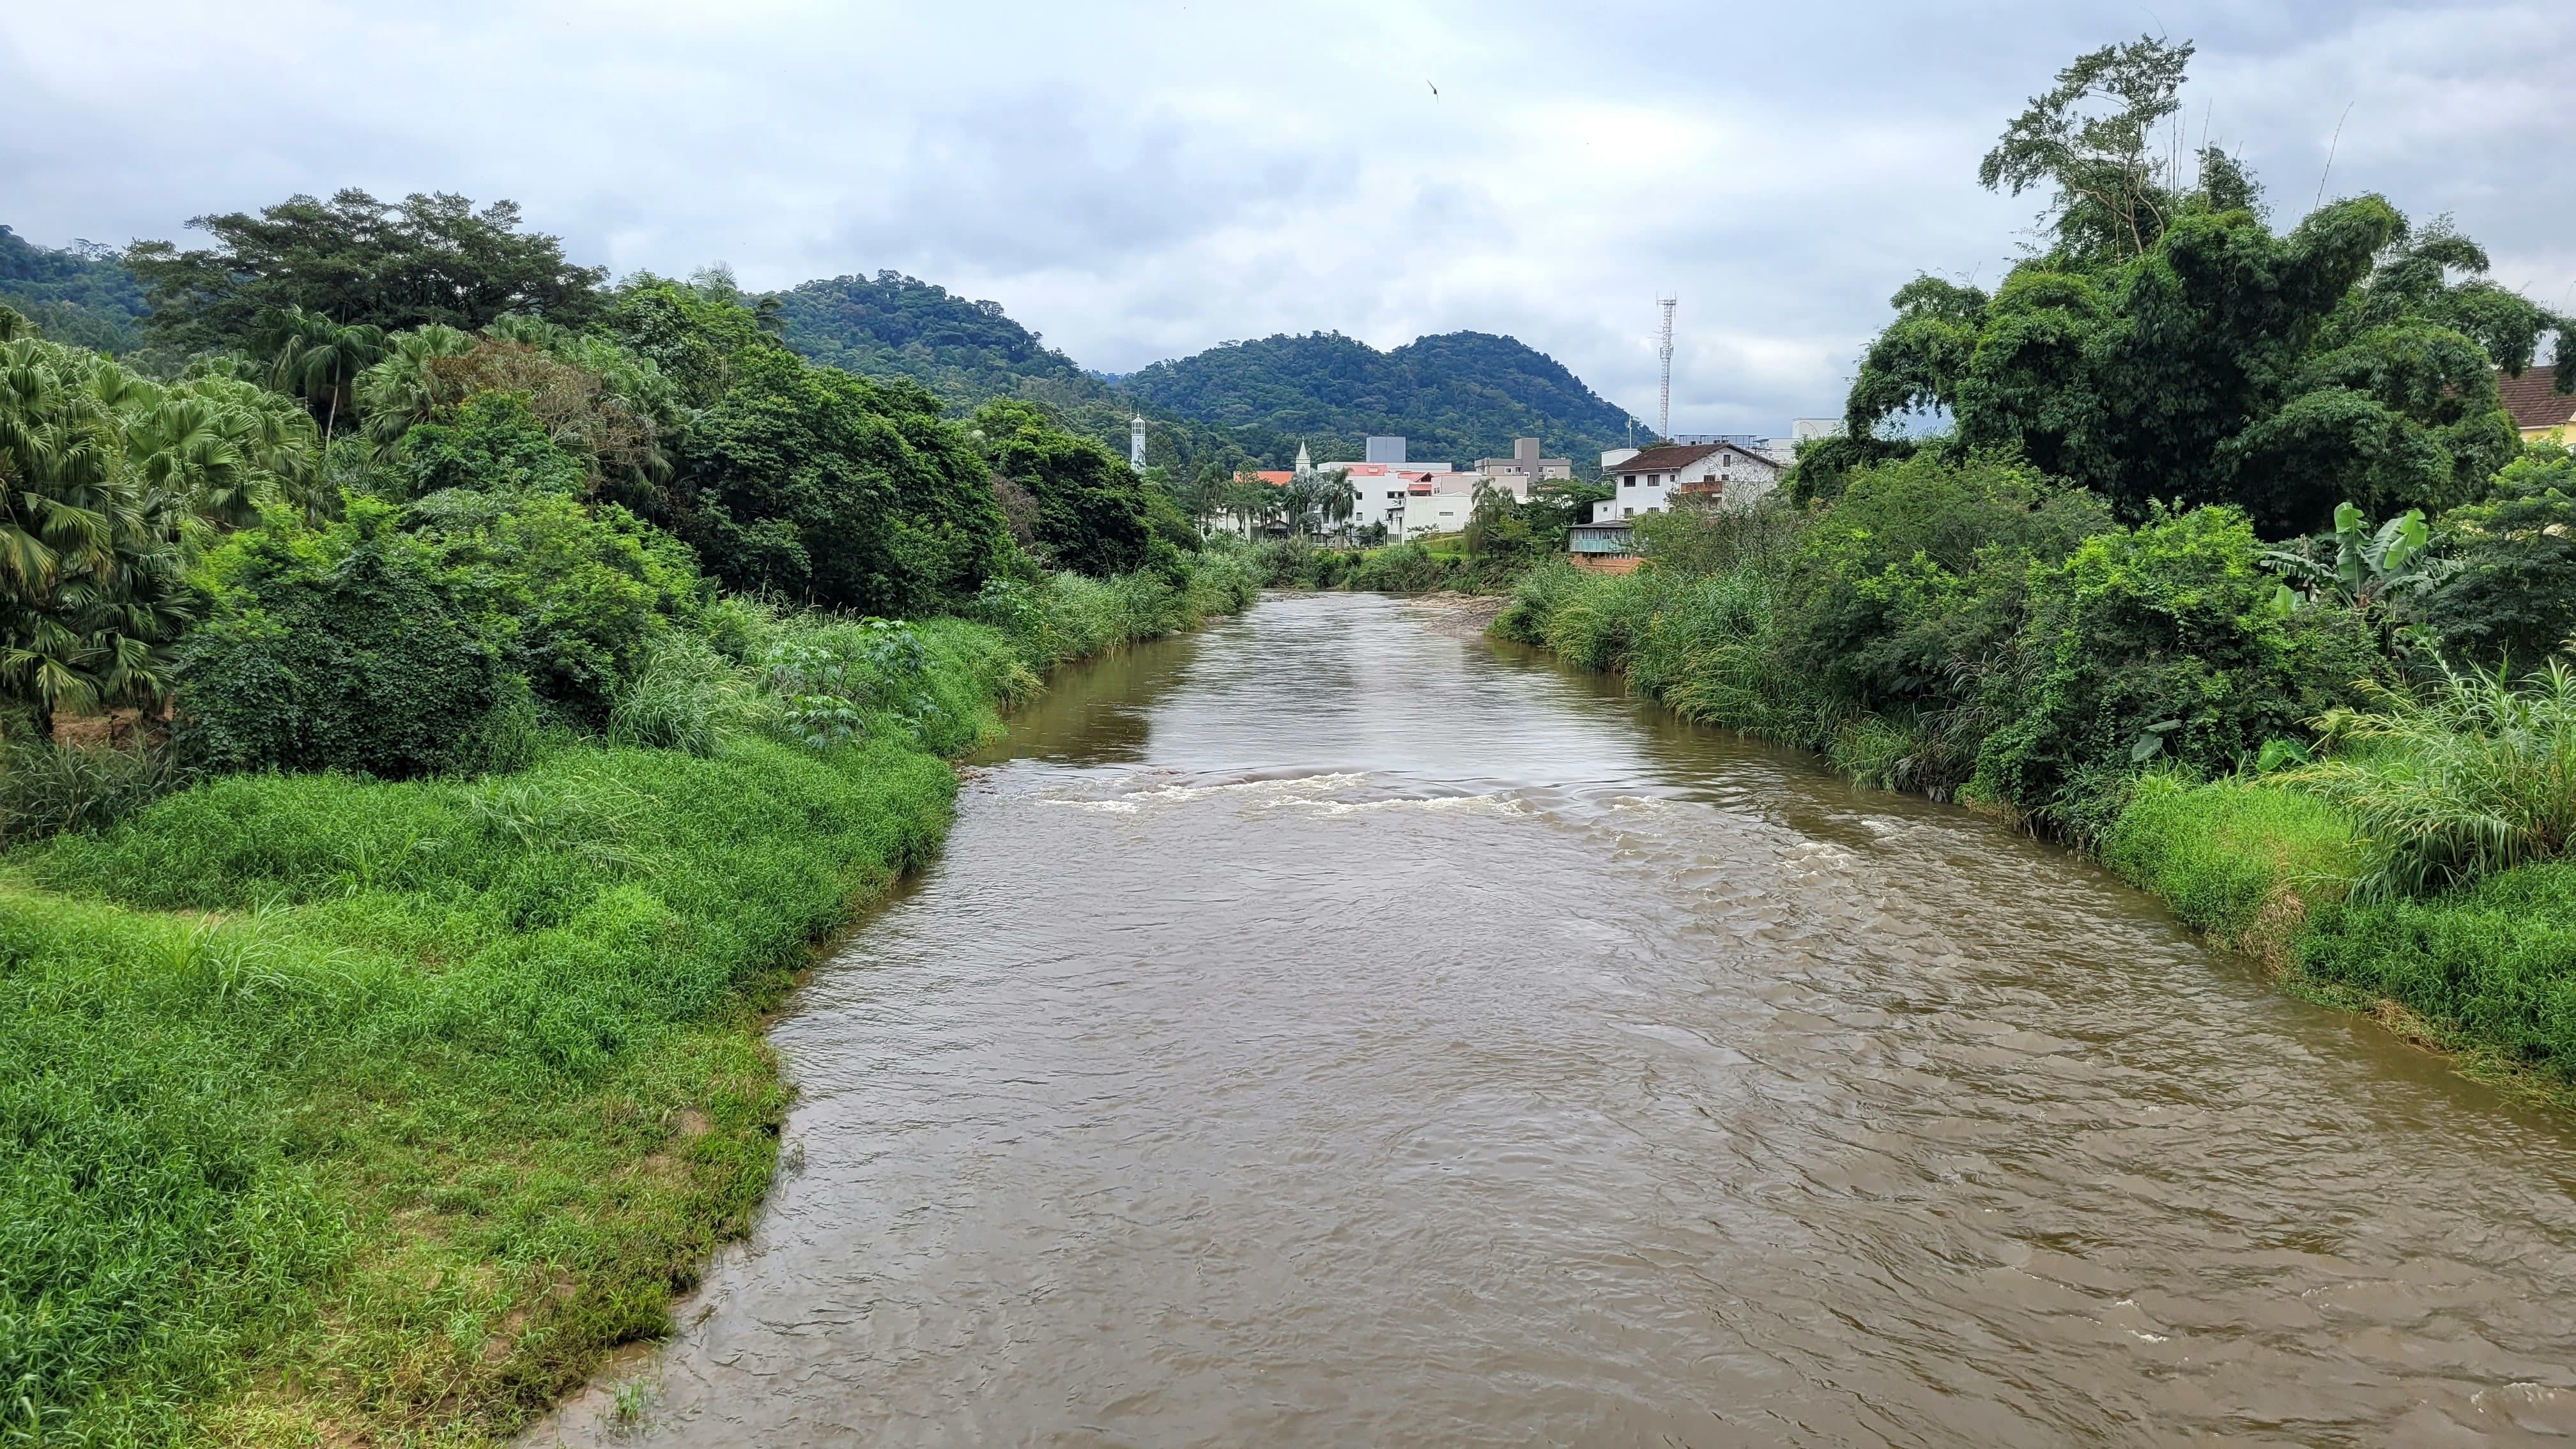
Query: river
[(1328, 1029)]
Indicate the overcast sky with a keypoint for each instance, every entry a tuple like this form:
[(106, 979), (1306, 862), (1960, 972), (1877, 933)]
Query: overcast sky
[(1142, 181)]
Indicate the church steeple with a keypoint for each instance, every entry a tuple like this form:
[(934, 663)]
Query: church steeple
[(1305, 461)]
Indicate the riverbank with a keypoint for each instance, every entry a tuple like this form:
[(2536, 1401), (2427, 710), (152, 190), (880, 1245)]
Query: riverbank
[(2484, 973), (347, 1111)]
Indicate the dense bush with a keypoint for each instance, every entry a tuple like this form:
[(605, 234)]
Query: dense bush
[(2512, 599), (348, 649), (576, 595), (2163, 643), (1919, 569)]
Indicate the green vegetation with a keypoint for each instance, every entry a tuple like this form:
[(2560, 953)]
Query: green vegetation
[(1459, 396), (2172, 347), (2227, 570), (430, 737), (81, 294), (430, 259)]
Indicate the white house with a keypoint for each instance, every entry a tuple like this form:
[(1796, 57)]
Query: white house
[(1650, 480)]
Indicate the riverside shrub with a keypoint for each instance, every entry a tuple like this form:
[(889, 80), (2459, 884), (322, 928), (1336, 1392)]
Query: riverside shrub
[(579, 595), (1921, 567), (2162, 643), (341, 650)]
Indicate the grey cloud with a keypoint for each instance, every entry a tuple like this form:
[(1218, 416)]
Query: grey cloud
[(1138, 183)]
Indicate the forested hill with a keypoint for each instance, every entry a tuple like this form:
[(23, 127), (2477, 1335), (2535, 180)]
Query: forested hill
[(1457, 396), (894, 325), (968, 352), (80, 294)]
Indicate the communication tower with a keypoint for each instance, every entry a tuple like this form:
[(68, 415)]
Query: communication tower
[(1664, 350)]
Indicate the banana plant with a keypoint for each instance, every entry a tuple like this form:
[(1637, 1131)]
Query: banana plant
[(2368, 567)]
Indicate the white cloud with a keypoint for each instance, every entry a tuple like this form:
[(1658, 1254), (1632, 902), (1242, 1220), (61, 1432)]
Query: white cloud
[(1142, 182)]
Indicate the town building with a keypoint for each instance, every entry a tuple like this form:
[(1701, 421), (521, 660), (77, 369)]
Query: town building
[(1524, 469), (2541, 413), (1730, 471), (1410, 499)]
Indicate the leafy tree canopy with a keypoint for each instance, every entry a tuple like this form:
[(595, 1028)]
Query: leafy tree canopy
[(1093, 512), (2173, 347), (835, 490), (431, 258)]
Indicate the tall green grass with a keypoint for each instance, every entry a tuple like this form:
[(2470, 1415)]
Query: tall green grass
[(1704, 644), (339, 1110), (48, 788), (2472, 775), (2490, 966), (2243, 860)]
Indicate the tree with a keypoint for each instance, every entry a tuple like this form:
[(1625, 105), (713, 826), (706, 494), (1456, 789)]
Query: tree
[(1093, 515), (2173, 347), (2114, 193), (2511, 599), (1339, 500), (318, 360), (836, 491), (220, 444), (361, 262), (91, 587), (607, 408)]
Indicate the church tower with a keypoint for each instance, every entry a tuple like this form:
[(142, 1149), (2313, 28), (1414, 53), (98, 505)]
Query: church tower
[(1305, 461)]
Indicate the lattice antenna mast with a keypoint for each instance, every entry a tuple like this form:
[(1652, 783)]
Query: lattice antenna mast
[(1664, 350)]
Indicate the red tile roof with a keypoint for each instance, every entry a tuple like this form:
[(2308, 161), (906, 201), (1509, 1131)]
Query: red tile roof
[(2534, 398)]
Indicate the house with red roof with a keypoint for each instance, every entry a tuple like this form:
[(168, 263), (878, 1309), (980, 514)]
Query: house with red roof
[(2540, 411)]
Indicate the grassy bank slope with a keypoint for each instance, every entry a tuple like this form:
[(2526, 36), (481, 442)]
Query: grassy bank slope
[(342, 1111)]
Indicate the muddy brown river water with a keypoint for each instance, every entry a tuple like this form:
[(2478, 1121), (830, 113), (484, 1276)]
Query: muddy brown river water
[(1329, 1030)]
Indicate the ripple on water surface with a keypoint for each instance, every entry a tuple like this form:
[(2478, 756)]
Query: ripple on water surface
[(1324, 1030)]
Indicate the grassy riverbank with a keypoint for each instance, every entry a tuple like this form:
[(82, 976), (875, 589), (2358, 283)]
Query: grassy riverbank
[(2384, 836), (340, 1110)]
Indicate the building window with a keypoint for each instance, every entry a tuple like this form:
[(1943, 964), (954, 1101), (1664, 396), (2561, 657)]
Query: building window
[(1629, 479)]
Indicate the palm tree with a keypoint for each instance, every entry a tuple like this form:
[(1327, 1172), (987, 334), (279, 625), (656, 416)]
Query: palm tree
[(1341, 499), (405, 386), (220, 445), (91, 586), (318, 360)]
